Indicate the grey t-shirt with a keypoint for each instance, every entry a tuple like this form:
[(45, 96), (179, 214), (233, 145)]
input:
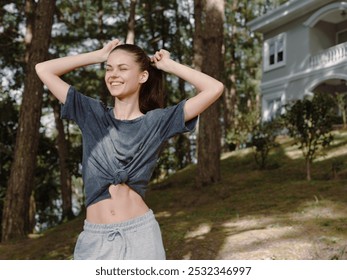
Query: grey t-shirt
[(120, 151)]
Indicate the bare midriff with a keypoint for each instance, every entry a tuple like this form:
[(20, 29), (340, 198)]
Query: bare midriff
[(124, 204)]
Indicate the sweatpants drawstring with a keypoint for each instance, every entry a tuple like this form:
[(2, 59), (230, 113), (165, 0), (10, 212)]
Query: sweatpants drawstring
[(112, 235)]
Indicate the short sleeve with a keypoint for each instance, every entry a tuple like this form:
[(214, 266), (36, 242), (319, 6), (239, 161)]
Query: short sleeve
[(76, 107), (172, 122)]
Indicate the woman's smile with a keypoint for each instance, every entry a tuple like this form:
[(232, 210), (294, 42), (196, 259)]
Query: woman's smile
[(116, 83)]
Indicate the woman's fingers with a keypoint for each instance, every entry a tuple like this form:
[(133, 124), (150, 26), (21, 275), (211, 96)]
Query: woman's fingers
[(114, 43), (161, 54)]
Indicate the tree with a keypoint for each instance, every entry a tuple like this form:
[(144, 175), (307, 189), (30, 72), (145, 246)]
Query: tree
[(131, 23), (198, 34), (209, 138), (65, 176), (242, 70), (263, 140), (8, 124), (309, 122), (15, 222)]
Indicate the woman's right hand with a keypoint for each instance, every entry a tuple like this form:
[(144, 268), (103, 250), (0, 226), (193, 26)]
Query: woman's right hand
[(50, 71), (105, 51)]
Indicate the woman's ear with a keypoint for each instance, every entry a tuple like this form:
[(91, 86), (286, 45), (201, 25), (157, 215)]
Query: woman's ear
[(144, 77)]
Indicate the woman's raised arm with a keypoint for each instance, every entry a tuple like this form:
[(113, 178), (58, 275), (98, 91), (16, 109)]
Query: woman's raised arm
[(50, 71), (209, 89)]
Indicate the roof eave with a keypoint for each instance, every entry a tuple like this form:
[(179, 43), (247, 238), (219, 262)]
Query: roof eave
[(283, 14)]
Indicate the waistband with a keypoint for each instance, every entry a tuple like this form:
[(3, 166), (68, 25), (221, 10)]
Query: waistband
[(124, 226)]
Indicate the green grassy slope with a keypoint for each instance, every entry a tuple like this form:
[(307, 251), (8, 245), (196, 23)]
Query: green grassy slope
[(251, 214)]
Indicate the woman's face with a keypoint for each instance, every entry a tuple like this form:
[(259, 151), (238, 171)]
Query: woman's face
[(123, 76)]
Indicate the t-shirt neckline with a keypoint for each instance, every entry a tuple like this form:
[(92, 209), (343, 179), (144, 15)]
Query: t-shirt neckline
[(111, 111)]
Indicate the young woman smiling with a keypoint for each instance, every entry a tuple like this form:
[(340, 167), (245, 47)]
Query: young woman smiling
[(121, 144)]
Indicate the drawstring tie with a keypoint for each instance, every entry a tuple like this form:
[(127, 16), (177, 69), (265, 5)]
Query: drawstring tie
[(112, 235)]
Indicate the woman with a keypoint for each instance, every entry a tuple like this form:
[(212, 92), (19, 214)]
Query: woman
[(121, 144)]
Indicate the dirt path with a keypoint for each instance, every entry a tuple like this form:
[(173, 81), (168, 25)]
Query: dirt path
[(318, 232)]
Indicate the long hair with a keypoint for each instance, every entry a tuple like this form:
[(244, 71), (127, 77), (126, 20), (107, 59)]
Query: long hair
[(152, 91)]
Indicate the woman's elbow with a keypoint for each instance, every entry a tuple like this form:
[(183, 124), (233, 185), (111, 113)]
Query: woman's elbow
[(219, 89), (39, 68)]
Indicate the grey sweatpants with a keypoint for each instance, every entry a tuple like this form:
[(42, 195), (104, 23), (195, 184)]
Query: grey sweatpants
[(135, 239)]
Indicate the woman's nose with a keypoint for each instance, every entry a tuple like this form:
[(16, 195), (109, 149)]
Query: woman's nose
[(114, 73)]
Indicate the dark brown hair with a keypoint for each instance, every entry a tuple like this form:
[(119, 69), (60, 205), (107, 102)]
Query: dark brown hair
[(152, 91)]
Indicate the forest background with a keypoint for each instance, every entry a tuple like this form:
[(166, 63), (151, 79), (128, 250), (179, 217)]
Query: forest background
[(40, 155)]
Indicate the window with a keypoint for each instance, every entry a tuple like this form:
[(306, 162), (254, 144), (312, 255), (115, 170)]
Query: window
[(274, 52), (273, 109)]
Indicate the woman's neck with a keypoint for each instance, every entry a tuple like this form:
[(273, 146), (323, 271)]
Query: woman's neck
[(127, 110)]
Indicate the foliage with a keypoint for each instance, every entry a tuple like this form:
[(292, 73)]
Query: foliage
[(242, 74), (12, 47), (336, 166), (309, 122), (263, 140), (46, 190), (341, 102), (8, 124)]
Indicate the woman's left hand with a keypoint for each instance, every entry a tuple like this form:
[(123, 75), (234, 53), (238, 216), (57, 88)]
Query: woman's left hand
[(160, 59)]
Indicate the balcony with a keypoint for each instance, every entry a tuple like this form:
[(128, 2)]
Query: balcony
[(328, 57)]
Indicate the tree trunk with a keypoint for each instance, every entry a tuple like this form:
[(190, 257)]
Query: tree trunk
[(229, 97), (104, 93), (209, 138), (65, 177), (230, 107), (198, 35), (16, 220), (131, 23), (308, 169), (182, 144)]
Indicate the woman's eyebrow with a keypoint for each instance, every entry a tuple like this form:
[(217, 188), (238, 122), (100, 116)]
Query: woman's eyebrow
[(119, 65)]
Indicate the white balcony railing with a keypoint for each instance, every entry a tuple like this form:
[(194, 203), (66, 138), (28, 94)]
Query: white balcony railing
[(333, 55)]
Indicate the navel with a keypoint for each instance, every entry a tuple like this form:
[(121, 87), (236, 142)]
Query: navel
[(113, 213)]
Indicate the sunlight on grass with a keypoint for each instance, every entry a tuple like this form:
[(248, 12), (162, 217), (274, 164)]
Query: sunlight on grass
[(238, 153), (321, 209), (298, 234), (336, 148), (199, 232), (263, 242), (293, 152), (163, 214), (35, 235), (341, 151)]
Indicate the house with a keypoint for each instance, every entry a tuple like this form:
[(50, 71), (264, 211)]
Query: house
[(304, 51)]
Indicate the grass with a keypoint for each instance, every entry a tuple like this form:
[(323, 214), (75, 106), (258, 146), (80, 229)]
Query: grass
[(251, 214)]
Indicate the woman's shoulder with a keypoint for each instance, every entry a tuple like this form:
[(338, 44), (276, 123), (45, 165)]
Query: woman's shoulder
[(94, 102), (165, 110)]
